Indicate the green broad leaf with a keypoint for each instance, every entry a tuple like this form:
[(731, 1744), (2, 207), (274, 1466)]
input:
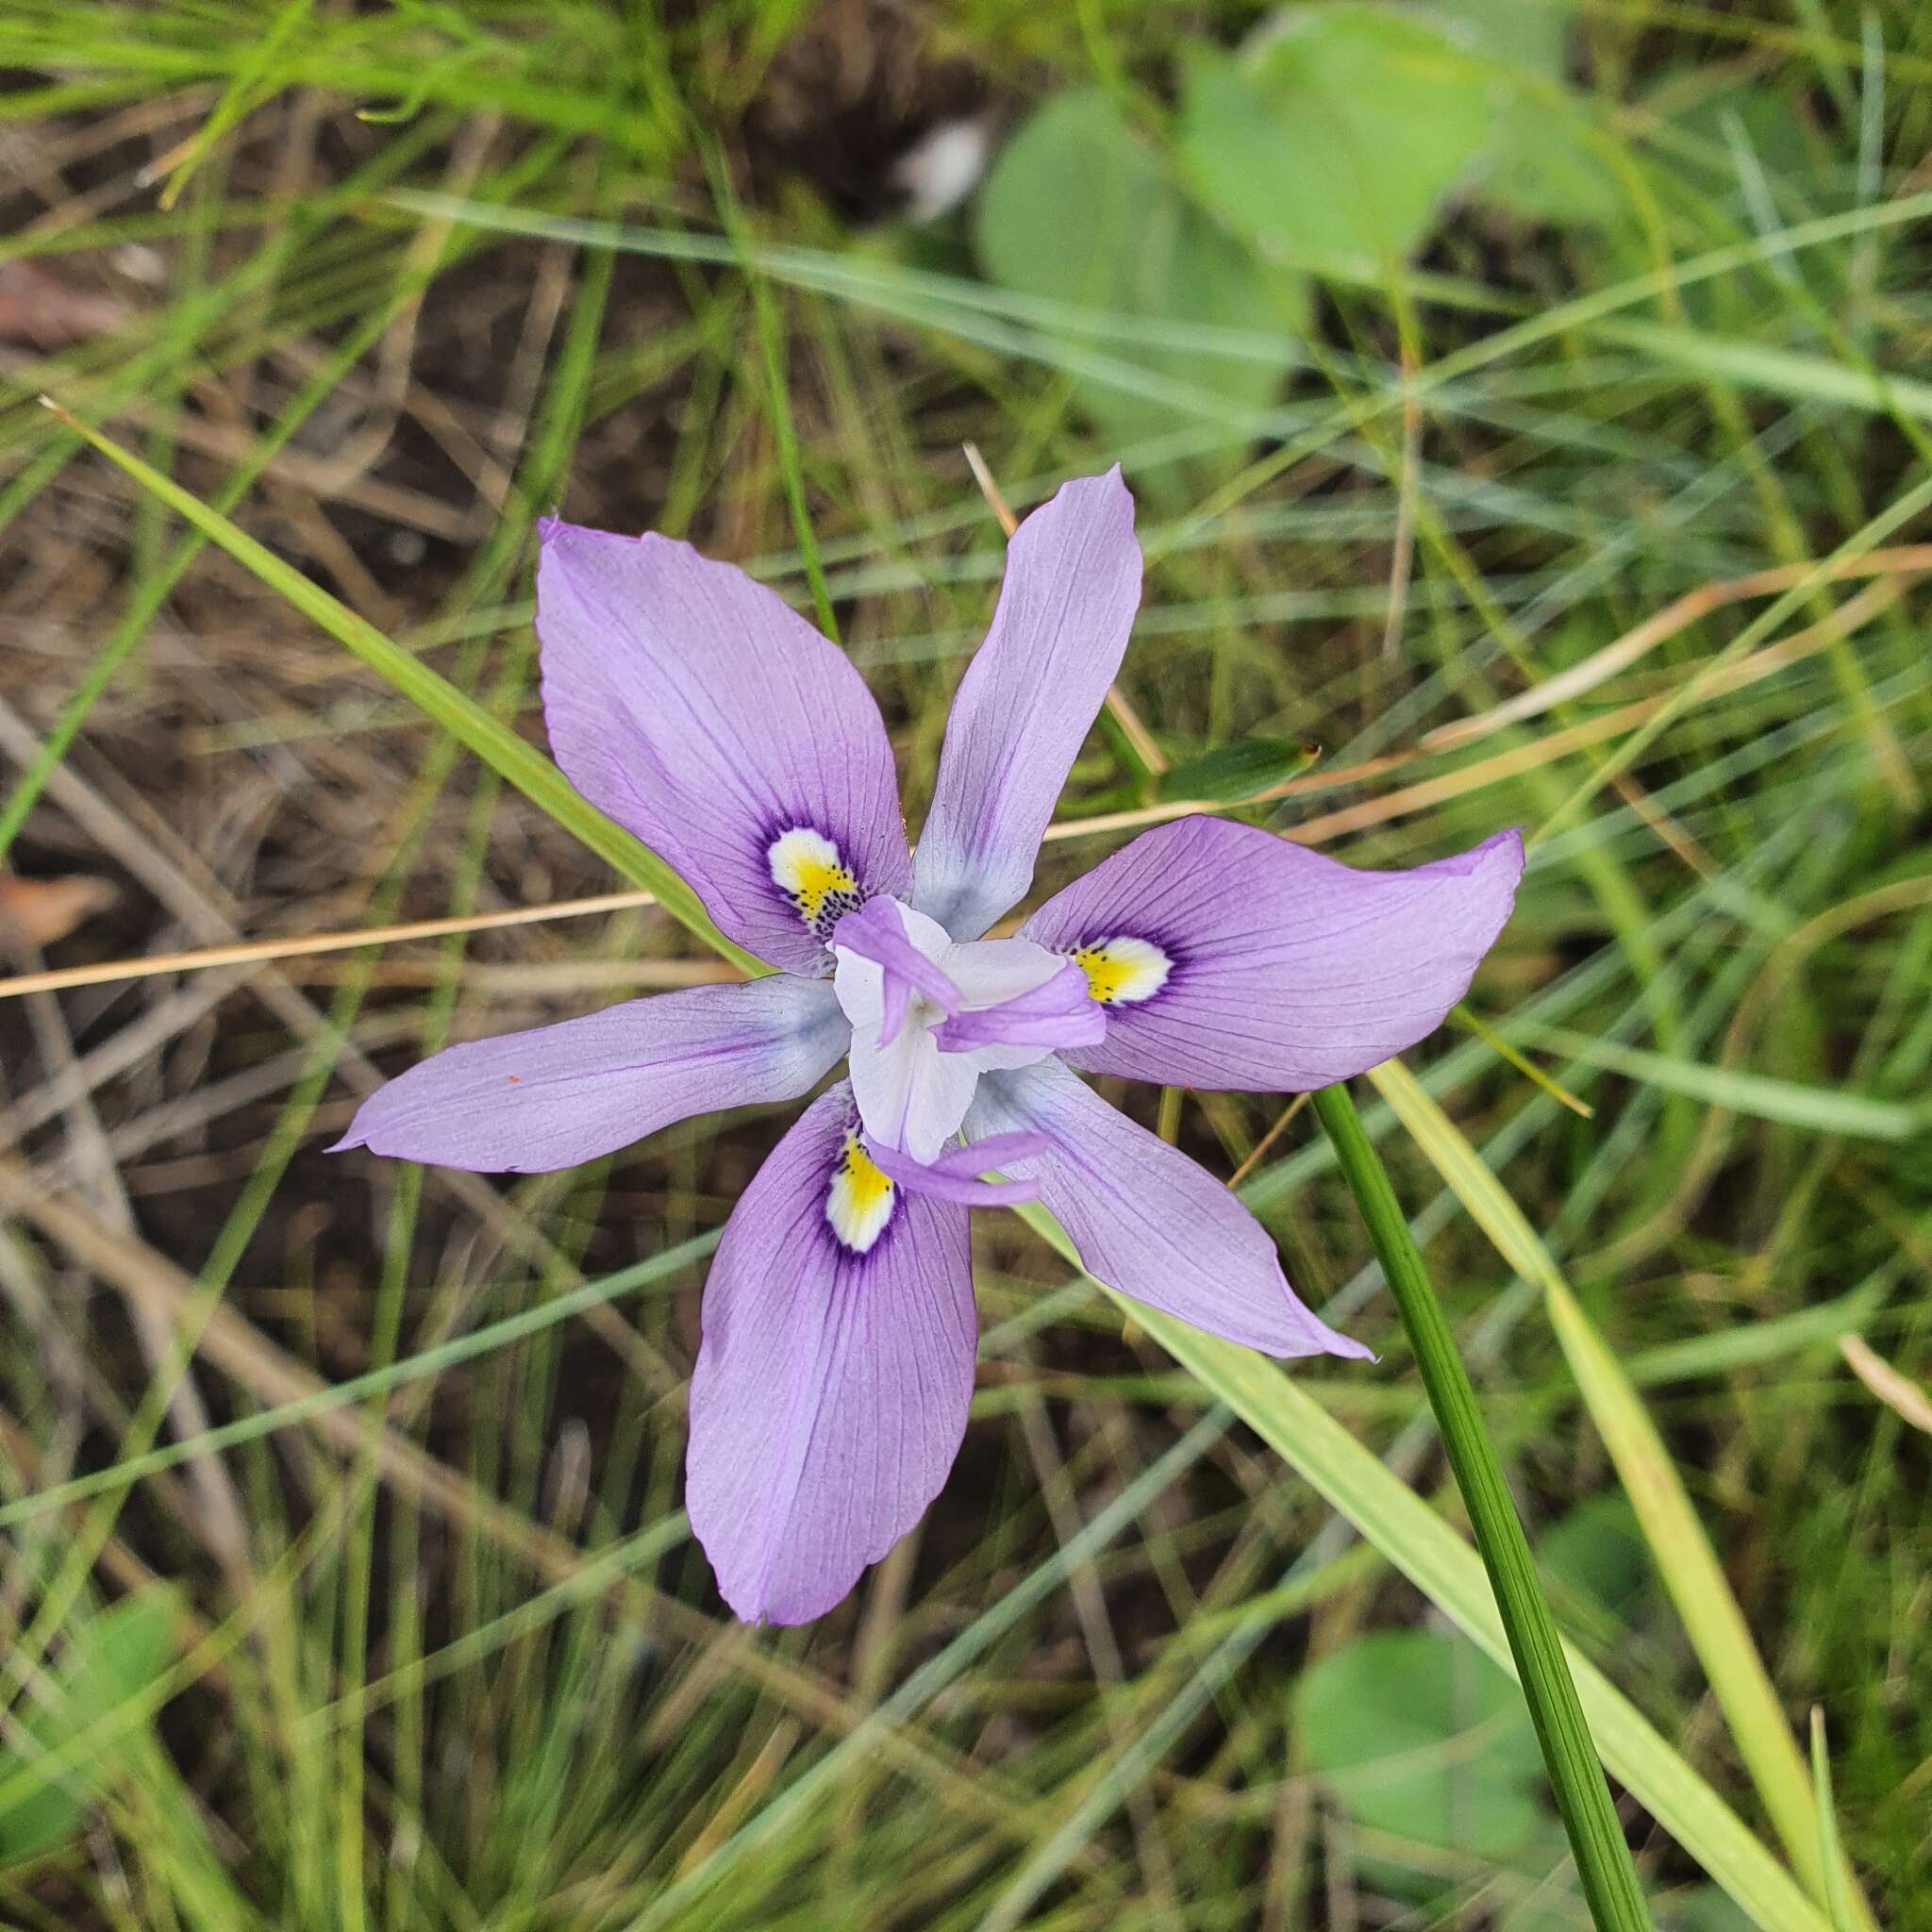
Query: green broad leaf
[(1419, 1735), (1537, 161), (1541, 167), (1598, 1550), (1233, 772), (1704, 1909), (118, 1655), (1079, 211), (1533, 35), (1337, 134)]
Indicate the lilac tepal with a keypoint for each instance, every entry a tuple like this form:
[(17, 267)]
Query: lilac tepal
[(702, 713)]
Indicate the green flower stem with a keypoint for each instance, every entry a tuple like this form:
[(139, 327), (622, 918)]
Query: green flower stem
[(1602, 1858)]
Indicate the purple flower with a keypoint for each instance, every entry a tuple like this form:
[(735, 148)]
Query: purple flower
[(696, 708)]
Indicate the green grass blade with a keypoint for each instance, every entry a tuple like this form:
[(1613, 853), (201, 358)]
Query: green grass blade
[(830, 1774), (1430, 1553), (1577, 1779), (1691, 1570), (159, 581), (251, 83), (1790, 1102), (518, 762), (777, 388), (1838, 1895)]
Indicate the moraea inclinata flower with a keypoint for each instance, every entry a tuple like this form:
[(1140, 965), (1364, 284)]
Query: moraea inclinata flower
[(699, 711)]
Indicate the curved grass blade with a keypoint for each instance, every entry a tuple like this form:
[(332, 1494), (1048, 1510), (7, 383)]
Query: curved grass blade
[(1789, 1103), (499, 747)]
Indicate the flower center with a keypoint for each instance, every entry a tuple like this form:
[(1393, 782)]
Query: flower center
[(913, 1093)]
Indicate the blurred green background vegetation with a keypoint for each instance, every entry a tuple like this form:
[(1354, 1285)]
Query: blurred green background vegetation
[(1525, 408)]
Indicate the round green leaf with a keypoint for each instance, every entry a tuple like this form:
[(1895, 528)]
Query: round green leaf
[(1338, 134), (1598, 1550), (113, 1659), (1421, 1737), (1080, 210), (1530, 34), (1536, 163)]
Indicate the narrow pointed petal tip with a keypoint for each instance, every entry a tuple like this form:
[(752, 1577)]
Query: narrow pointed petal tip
[(1060, 1012), (1032, 691), (1229, 957), (955, 1175), (1148, 1221), (997, 1150)]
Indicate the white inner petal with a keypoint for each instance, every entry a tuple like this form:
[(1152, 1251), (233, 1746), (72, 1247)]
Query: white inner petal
[(990, 972), (910, 1096)]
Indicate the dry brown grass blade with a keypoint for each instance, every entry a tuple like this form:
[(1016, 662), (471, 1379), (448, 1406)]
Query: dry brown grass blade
[(181, 882), (42, 306), (1746, 671), (302, 946), (1706, 1154), (217, 1513), (1392, 805), (1898, 1392), (1693, 608)]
